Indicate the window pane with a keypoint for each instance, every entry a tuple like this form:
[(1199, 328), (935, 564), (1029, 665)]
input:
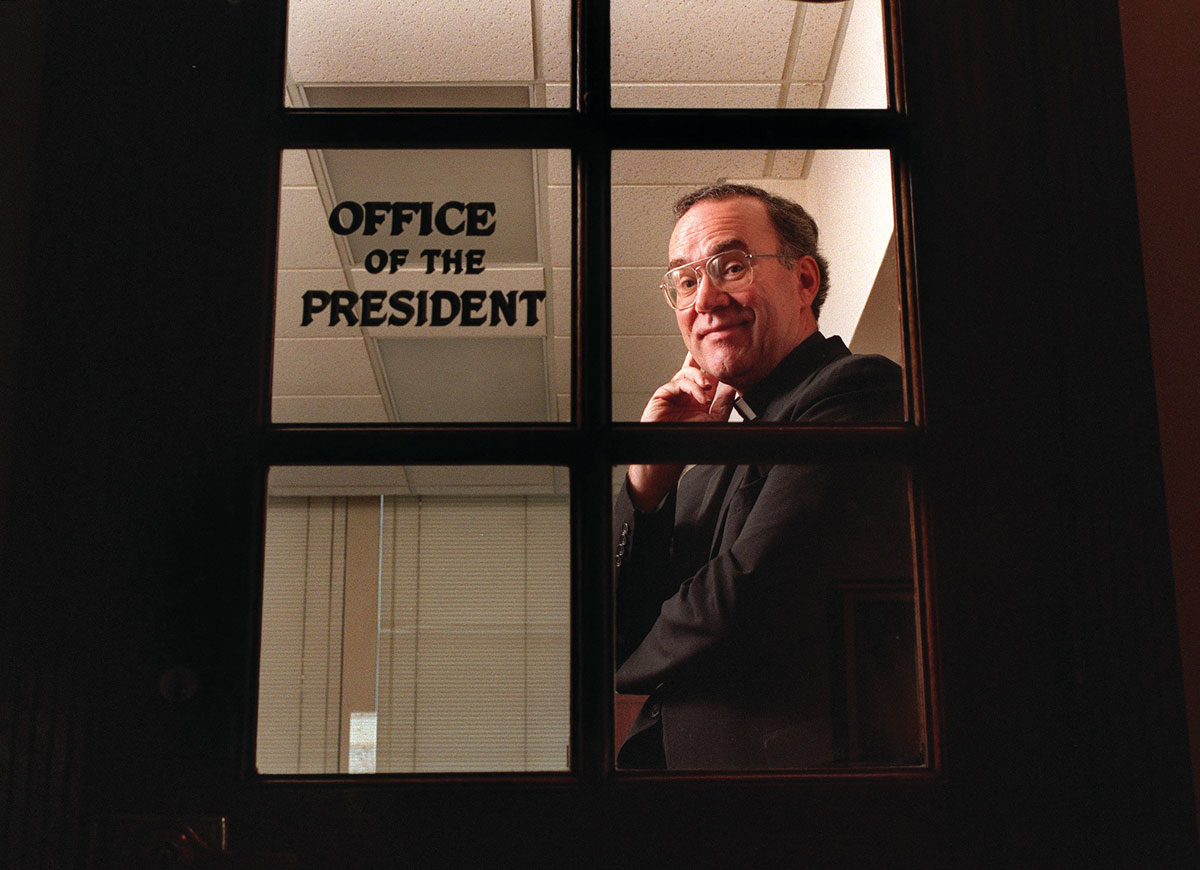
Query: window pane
[(423, 286), (848, 195), (752, 54), (767, 617), (428, 54), (415, 619)]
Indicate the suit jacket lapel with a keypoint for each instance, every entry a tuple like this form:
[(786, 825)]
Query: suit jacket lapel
[(736, 480), (778, 390)]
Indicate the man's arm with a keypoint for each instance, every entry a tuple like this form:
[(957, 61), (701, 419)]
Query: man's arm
[(644, 578), (645, 510), (764, 579), (768, 563), (691, 396)]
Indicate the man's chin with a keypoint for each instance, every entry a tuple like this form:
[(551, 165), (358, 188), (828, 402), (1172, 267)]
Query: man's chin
[(723, 368), (717, 355)]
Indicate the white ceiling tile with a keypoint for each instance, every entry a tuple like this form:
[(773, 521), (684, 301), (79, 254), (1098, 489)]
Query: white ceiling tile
[(684, 167), (305, 241), (466, 380), (502, 176), (489, 491), (322, 367), (657, 359), (652, 95), (804, 95), (788, 164), (673, 40), (339, 491), (290, 287), (295, 169), (639, 307), (373, 40), (821, 21), (412, 480), (296, 479), (456, 95), (424, 478), (559, 200), (561, 282), (554, 18), (328, 409), (642, 222)]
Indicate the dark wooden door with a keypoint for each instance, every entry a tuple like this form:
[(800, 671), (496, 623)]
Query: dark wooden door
[(137, 443)]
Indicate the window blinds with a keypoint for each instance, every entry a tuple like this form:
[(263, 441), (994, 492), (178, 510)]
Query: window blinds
[(474, 637), (299, 706), (473, 669)]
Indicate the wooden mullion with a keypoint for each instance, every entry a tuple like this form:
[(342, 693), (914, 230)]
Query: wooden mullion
[(584, 449), (562, 128), (591, 474), (445, 128)]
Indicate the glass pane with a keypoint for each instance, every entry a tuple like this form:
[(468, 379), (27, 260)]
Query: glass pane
[(428, 54), (767, 617), (415, 619), (847, 194), (423, 286), (752, 54)]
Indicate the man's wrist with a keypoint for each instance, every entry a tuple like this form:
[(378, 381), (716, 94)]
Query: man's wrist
[(649, 485)]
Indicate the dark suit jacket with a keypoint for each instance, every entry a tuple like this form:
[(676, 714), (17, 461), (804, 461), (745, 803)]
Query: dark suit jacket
[(723, 592)]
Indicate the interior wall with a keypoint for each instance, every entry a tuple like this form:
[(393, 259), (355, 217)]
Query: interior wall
[(850, 196), (856, 85), (850, 192), (1162, 74)]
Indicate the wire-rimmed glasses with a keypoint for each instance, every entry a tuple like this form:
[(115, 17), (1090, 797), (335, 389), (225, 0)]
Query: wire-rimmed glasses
[(729, 271)]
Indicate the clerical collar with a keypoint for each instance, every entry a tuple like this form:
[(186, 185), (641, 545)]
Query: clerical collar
[(743, 408), (805, 358)]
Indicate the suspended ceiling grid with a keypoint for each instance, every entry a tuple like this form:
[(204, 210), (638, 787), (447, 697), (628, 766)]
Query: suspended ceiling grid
[(766, 53), (753, 53)]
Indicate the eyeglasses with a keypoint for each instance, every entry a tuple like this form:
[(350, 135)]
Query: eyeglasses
[(729, 271)]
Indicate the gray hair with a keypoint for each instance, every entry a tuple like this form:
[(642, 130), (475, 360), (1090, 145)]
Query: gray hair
[(795, 227)]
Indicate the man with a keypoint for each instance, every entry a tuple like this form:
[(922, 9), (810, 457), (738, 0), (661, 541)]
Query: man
[(724, 572)]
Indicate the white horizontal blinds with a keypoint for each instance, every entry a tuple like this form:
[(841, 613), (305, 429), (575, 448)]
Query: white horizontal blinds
[(300, 665), (548, 632), (474, 646), (397, 694), (284, 560), (471, 638)]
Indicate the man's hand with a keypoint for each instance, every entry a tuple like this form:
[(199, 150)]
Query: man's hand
[(691, 396)]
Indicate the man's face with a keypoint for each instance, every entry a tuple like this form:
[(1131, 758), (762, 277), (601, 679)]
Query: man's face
[(740, 337)]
